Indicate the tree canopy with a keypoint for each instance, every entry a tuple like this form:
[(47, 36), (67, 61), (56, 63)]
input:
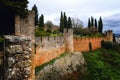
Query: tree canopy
[(34, 8), (69, 23), (41, 21), (19, 7), (61, 22), (100, 25), (65, 22), (89, 24)]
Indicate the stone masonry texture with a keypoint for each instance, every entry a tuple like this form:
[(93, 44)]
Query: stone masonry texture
[(18, 58)]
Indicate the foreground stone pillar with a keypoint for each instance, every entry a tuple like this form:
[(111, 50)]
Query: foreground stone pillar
[(18, 58)]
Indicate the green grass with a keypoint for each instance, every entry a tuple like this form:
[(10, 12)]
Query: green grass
[(102, 64), (37, 69)]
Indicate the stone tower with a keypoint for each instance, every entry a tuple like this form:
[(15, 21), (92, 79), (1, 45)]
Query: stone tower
[(25, 26), (68, 33), (110, 35), (23, 41)]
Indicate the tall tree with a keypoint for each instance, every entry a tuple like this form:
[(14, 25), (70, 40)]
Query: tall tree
[(100, 26), (8, 10), (61, 22), (76, 22), (77, 25), (96, 24), (69, 23), (65, 20), (92, 21), (89, 24), (34, 8), (41, 21), (19, 7)]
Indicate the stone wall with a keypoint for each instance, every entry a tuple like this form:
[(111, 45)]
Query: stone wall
[(48, 48), (82, 44), (18, 58)]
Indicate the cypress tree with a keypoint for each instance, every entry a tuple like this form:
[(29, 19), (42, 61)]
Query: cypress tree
[(96, 24), (61, 22), (69, 23), (100, 27), (65, 20), (34, 8), (89, 24), (92, 21), (114, 40), (41, 21)]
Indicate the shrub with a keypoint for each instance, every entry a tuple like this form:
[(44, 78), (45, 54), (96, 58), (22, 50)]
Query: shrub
[(107, 44), (56, 32), (49, 31), (110, 45)]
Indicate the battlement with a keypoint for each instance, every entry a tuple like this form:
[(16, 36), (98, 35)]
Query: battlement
[(49, 39)]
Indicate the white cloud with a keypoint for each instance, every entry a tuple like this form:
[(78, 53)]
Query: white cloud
[(82, 9)]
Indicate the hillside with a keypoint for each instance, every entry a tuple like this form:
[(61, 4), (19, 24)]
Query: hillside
[(102, 64)]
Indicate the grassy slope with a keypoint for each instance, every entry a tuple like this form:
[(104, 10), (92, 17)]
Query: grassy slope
[(102, 65)]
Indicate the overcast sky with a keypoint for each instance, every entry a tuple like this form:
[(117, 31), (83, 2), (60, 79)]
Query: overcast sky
[(109, 10)]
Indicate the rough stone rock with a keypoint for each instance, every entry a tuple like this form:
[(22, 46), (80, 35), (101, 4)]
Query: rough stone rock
[(69, 64)]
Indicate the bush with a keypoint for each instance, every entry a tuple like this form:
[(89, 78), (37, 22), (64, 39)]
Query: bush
[(110, 45), (107, 44), (49, 31), (56, 32), (41, 32)]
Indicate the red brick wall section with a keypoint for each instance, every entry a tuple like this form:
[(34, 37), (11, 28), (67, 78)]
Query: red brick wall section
[(47, 55), (82, 44)]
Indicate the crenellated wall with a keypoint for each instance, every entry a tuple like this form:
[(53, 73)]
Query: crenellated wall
[(48, 48)]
